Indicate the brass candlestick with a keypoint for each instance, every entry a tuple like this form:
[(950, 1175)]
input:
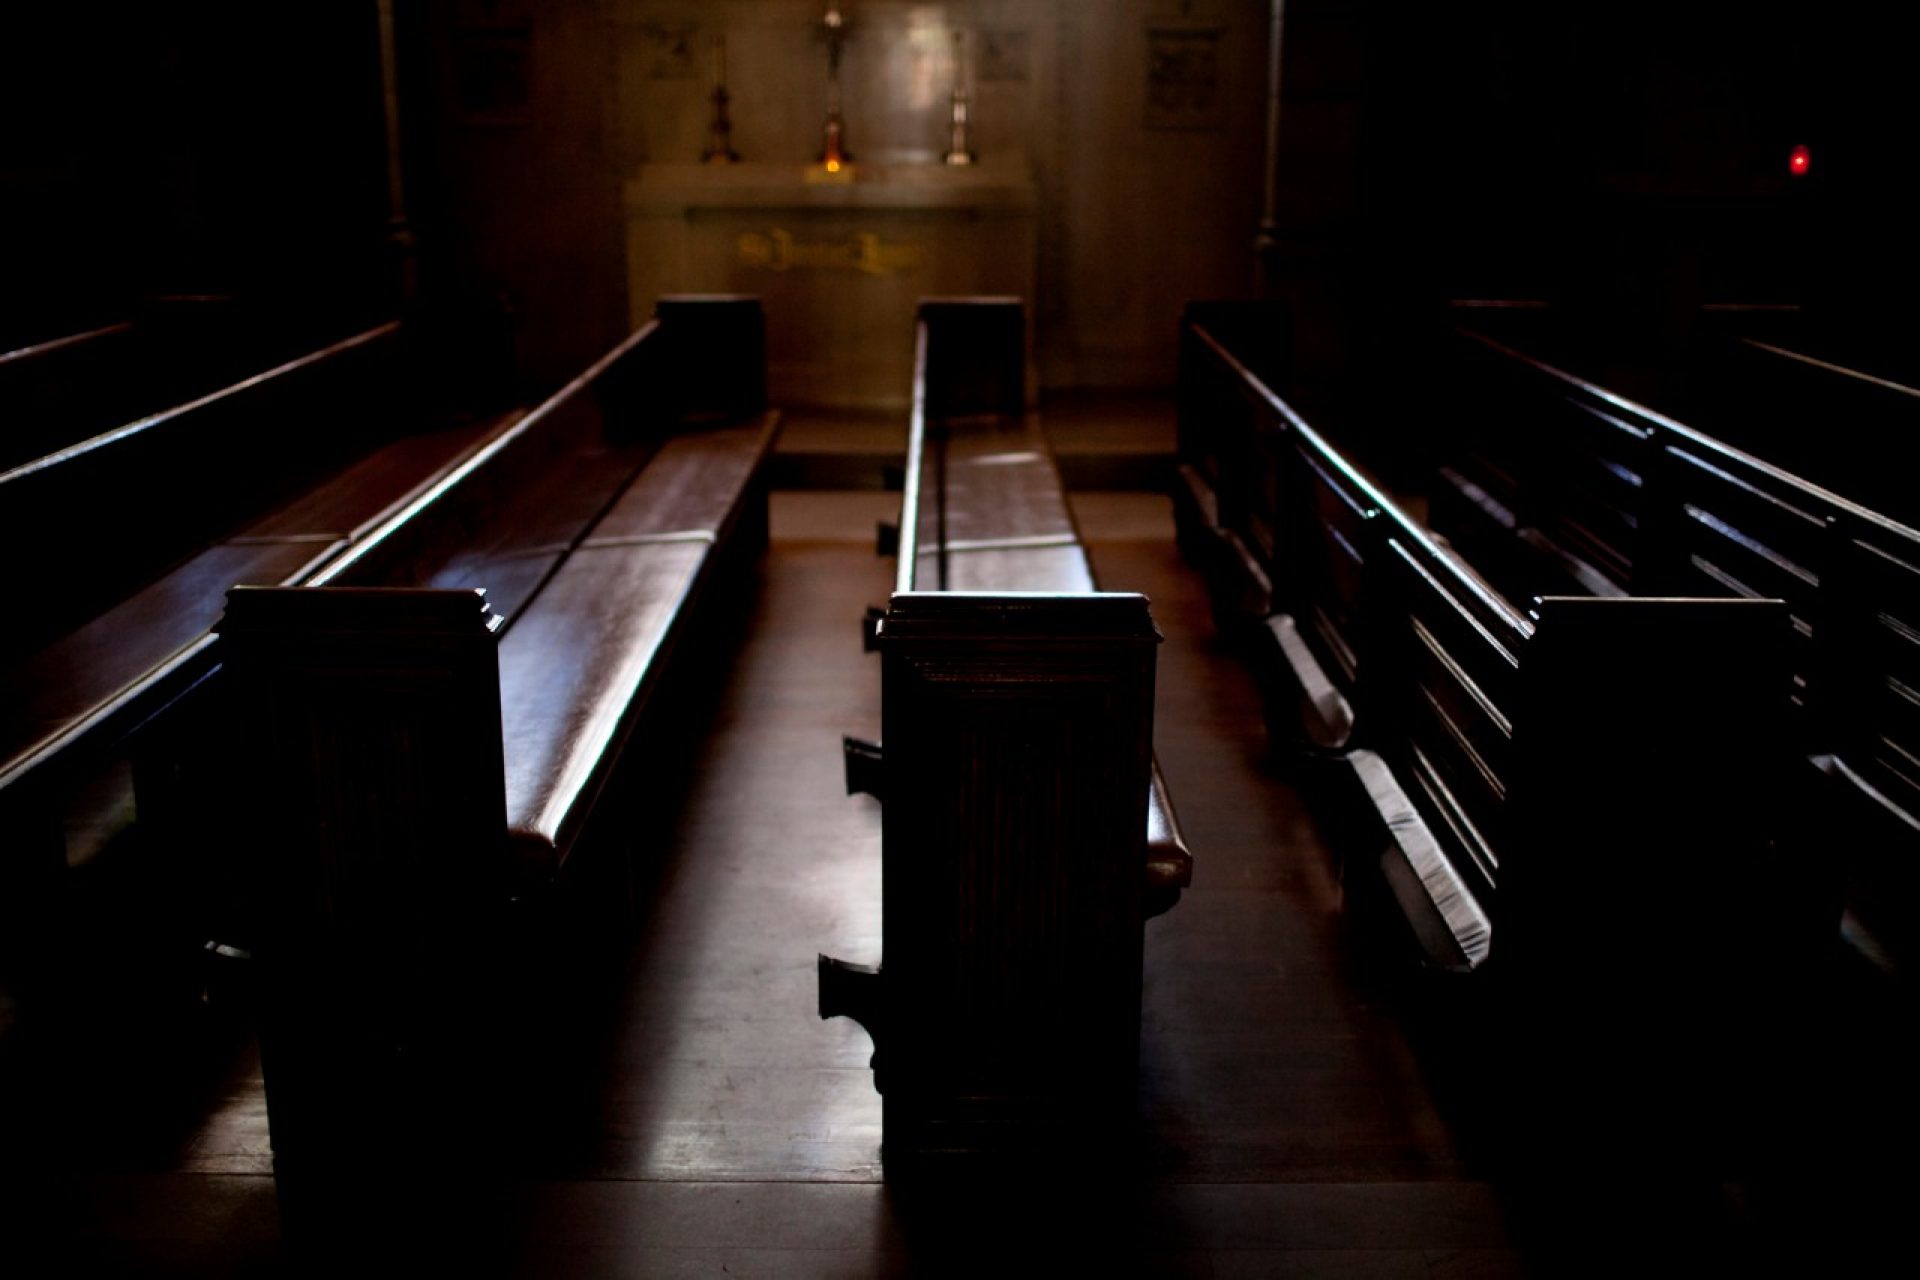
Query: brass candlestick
[(720, 132), (958, 151), (959, 148)]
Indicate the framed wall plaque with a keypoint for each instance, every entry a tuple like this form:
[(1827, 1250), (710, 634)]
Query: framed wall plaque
[(1183, 78)]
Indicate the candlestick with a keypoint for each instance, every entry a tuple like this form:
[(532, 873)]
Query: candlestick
[(720, 131), (959, 147)]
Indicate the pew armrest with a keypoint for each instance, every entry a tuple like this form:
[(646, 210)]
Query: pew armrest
[(1169, 864)]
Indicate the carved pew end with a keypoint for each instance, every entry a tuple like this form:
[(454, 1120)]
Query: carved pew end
[(863, 767), (855, 991)]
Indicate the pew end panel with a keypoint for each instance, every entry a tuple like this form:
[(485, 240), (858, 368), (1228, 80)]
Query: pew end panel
[(371, 762), (1017, 773), (1655, 936), (1692, 1010), (1862, 678), (1655, 729), (711, 366), (975, 357)]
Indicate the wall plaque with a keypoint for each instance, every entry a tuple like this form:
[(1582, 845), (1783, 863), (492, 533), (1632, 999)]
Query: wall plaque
[(1183, 78)]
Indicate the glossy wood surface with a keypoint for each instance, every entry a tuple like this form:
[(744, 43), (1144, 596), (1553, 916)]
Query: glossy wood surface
[(63, 682), (574, 672), (347, 504), (691, 485)]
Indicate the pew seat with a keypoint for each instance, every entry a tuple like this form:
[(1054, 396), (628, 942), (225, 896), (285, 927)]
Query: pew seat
[(582, 659)]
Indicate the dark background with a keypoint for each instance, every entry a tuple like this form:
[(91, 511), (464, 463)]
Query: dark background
[(1627, 159)]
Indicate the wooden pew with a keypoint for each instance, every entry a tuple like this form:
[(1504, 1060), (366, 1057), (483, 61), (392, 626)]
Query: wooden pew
[(165, 352), (1027, 833), (1834, 405), (1584, 791), (1638, 502), (139, 532), (1804, 408), (136, 536), (1220, 522), (431, 726), (38, 380)]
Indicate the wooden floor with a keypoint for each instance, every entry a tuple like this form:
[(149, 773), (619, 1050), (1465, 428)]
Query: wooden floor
[(699, 1119)]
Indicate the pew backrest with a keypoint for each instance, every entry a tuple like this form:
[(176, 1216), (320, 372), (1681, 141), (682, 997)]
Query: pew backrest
[(1840, 427), (112, 511)]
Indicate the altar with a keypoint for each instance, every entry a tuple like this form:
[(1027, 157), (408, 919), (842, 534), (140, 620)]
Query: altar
[(839, 259)]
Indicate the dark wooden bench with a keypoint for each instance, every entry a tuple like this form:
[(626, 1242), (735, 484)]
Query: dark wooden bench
[(1579, 790), (430, 726), (1027, 832), (135, 537), (1553, 473), (1219, 520), (166, 352), (1836, 408), (1803, 407), (138, 533)]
